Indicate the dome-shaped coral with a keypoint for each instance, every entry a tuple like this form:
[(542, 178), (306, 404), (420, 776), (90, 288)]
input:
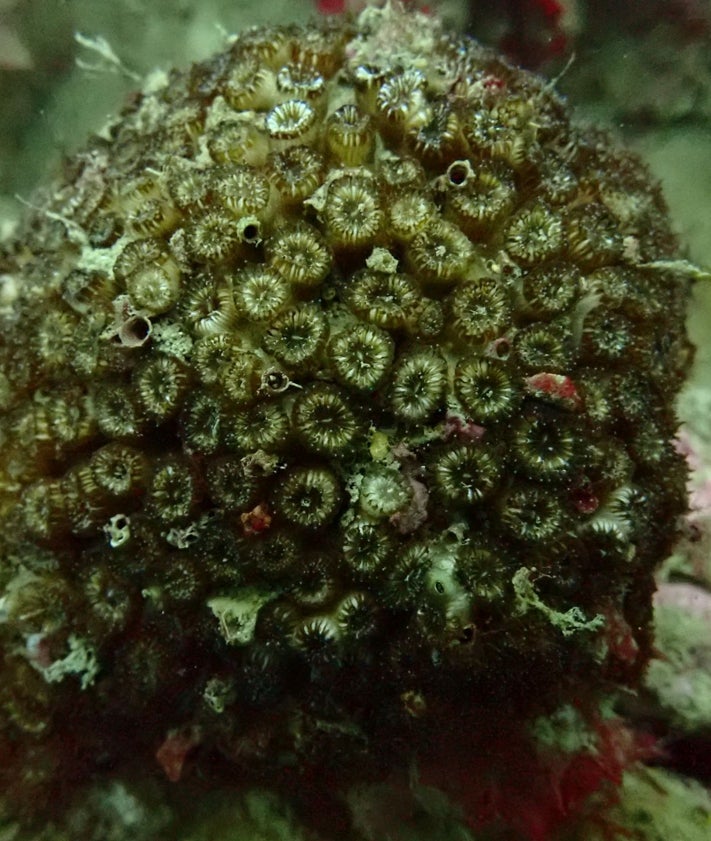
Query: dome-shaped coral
[(335, 411)]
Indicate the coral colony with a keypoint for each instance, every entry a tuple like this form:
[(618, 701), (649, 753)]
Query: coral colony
[(337, 387)]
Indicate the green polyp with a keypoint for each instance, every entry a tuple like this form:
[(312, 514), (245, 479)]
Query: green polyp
[(323, 419), (308, 497), (361, 356)]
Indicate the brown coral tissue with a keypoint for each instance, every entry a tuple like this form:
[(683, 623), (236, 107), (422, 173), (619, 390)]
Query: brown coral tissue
[(337, 384)]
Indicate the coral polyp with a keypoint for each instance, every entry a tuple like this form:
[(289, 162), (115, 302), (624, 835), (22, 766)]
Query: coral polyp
[(324, 431)]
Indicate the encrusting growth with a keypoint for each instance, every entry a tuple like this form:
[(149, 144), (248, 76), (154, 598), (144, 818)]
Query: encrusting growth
[(337, 417)]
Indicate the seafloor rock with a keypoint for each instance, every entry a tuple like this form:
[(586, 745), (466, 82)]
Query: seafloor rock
[(337, 387)]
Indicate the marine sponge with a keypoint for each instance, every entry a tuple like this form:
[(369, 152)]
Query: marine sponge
[(324, 372)]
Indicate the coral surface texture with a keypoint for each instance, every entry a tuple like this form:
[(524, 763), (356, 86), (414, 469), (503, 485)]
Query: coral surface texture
[(337, 384)]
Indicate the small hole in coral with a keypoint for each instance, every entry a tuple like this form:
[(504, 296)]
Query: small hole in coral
[(468, 634), (458, 173), (275, 381), (250, 233), (502, 348), (135, 331)]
